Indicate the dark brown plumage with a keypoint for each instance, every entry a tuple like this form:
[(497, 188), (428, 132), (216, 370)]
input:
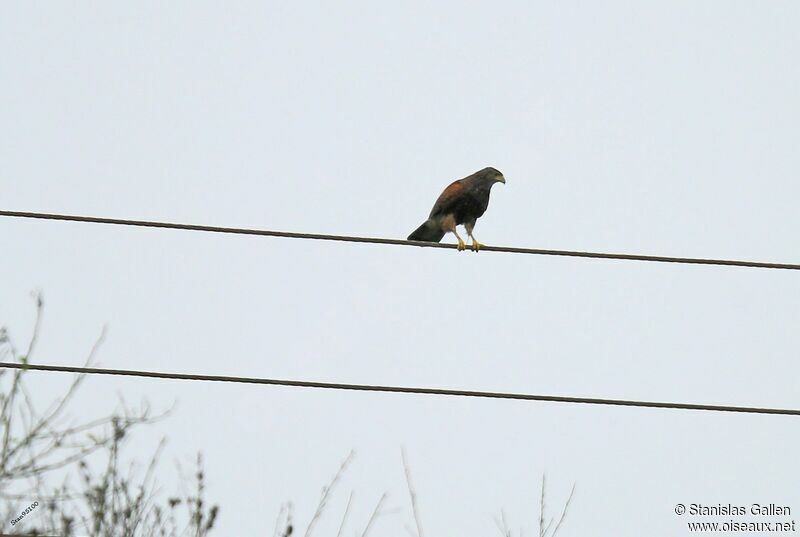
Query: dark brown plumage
[(462, 202)]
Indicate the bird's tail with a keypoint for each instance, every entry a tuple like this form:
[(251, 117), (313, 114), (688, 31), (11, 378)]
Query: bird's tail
[(429, 231)]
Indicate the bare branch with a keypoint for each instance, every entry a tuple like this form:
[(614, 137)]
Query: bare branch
[(37, 323), (542, 529), (278, 520), (344, 517), (326, 491), (375, 514), (59, 406), (502, 525), (108, 504), (412, 494), (564, 512)]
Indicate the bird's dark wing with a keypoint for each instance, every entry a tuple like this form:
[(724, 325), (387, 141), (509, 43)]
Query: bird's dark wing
[(449, 199)]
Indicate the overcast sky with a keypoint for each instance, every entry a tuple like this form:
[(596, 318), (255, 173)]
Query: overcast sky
[(667, 128)]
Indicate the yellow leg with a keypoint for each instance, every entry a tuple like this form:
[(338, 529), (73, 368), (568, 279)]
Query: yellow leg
[(461, 245), (475, 246)]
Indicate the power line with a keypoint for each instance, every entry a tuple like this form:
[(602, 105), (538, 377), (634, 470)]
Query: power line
[(27, 534), (399, 389), (400, 242)]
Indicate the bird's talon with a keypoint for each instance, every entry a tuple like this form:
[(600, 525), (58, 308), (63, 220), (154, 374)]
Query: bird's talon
[(461, 245), (475, 246)]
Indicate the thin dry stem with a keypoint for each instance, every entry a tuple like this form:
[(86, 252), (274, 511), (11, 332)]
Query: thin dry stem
[(375, 514), (326, 492), (344, 517), (412, 494), (564, 512)]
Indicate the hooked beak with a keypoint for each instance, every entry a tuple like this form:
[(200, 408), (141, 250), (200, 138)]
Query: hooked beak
[(501, 179)]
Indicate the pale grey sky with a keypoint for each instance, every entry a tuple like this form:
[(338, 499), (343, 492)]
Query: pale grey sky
[(650, 127)]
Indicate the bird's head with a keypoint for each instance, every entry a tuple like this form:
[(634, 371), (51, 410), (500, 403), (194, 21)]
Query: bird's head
[(492, 174)]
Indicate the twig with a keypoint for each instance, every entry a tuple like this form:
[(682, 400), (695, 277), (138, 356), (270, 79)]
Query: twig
[(541, 510), (501, 524), (326, 491), (6, 415), (412, 493), (375, 514), (46, 420), (278, 520), (564, 512), (344, 517)]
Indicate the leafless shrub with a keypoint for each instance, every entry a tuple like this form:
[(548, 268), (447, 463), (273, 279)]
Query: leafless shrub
[(111, 502), (283, 524), (546, 528)]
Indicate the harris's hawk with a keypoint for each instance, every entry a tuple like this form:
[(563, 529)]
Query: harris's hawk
[(462, 202)]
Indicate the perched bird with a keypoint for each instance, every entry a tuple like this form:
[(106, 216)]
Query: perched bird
[(462, 202)]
